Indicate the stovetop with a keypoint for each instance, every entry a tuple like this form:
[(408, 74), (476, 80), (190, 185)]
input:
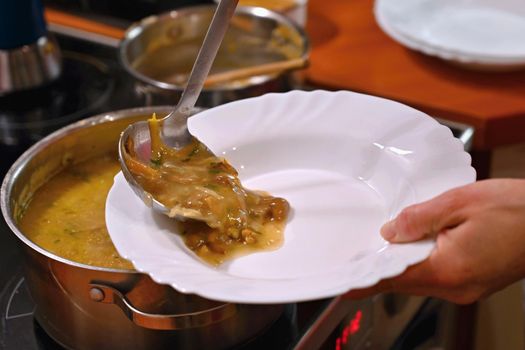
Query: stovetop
[(92, 81)]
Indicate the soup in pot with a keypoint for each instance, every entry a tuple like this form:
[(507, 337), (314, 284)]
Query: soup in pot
[(66, 215)]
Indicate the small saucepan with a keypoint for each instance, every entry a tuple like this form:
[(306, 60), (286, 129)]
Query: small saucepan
[(159, 52)]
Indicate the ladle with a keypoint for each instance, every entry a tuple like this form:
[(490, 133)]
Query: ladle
[(174, 130)]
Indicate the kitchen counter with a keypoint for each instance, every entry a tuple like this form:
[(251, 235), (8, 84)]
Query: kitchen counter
[(350, 52)]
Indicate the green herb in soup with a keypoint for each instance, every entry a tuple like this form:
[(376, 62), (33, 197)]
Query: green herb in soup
[(66, 215)]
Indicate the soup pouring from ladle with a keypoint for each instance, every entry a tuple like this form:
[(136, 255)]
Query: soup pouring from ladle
[(173, 128)]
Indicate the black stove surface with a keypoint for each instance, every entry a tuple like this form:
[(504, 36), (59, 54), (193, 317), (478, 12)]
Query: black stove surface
[(85, 85), (26, 117), (91, 82), (19, 330)]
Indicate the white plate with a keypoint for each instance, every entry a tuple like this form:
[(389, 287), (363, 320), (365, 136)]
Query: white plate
[(480, 32), (346, 162)]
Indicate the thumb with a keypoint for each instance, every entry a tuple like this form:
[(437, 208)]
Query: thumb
[(428, 218)]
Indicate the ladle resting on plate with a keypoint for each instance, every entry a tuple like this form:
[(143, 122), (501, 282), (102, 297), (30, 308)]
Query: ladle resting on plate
[(223, 218), (180, 177), (173, 128)]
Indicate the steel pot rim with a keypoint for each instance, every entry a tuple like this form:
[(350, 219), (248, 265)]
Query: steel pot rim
[(25, 158), (138, 27)]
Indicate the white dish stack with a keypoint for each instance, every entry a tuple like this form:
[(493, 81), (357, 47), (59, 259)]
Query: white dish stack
[(484, 34)]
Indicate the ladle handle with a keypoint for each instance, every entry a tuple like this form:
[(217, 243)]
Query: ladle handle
[(208, 51), (105, 294)]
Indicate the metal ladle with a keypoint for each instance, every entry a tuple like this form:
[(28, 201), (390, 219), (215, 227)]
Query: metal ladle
[(174, 128)]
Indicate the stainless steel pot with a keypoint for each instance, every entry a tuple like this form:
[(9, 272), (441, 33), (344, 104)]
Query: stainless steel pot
[(159, 46), (87, 307)]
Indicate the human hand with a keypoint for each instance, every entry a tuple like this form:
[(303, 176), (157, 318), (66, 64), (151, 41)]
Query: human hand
[(480, 242)]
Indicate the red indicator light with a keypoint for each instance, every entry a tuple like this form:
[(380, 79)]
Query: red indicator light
[(351, 328), (338, 344)]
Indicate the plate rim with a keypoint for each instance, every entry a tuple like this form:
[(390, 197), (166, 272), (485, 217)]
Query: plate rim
[(398, 265)]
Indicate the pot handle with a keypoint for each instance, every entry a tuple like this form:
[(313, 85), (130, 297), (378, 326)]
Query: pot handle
[(109, 295)]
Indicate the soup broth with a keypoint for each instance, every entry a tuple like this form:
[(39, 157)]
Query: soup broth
[(66, 215)]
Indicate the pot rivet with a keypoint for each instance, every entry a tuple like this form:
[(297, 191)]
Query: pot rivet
[(96, 294)]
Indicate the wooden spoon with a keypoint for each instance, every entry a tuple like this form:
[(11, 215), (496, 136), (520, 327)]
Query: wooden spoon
[(263, 69)]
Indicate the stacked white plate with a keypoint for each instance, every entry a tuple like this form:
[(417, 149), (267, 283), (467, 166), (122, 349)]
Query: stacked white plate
[(478, 33)]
